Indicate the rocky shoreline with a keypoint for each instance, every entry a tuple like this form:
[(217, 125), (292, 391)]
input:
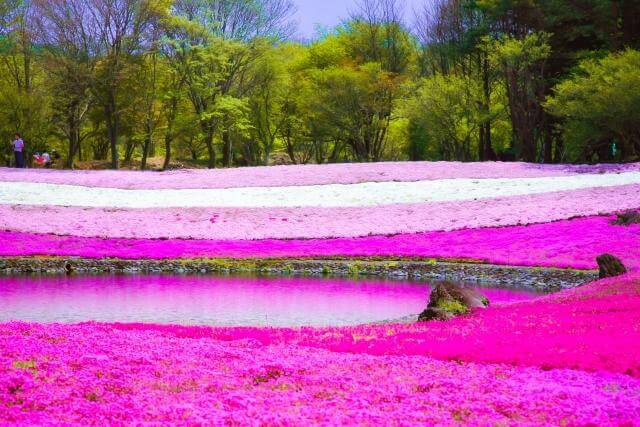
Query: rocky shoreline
[(538, 278)]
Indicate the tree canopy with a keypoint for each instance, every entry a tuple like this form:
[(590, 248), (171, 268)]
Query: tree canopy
[(222, 83)]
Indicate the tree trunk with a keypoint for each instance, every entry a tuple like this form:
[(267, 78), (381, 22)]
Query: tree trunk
[(113, 144), (290, 149), (226, 149), (73, 138), (72, 150), (168, 136), (167, 149), (525, 111), (559, 148), (548, 142), (80, 151), (130, 147), (112, 130), (267, 154), (148, 143), (481, 146), (335, 152), (211, 150), (145, 152), (528, 146), (208, 129), (489, 153)]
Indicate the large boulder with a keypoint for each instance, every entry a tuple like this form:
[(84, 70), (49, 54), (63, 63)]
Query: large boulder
[(449, 300), (610, 266)]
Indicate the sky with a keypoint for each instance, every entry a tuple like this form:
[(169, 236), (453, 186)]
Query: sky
[(329, 13)]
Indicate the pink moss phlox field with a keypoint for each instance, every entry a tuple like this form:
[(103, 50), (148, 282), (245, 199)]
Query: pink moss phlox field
[(568, 244), (306, 223), (571, 358), (302, 174), (96, 374)]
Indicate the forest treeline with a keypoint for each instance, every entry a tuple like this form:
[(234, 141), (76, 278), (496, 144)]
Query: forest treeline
[(225, 82)]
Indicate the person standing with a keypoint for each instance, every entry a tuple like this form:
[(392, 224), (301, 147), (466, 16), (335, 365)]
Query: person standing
[(18, 151)]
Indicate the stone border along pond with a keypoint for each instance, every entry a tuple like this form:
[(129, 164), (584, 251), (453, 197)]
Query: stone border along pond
[(537, 278)]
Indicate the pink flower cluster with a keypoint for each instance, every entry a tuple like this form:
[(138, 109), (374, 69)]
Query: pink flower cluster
[(302, 174), (572, 243)]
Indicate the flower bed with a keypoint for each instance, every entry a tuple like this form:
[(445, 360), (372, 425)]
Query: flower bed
[(527, 363), (305, 223), (572, 358), (303, 174), (567, 244)]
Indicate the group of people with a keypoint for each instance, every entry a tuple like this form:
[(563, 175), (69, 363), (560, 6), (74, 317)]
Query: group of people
[(42, 159), (39, 159)]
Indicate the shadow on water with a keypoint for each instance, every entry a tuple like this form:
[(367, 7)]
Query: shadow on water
[(218, 300)]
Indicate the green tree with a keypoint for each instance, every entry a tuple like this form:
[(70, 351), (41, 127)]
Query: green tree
[(523, 63), (445, 115), (24, 104), (220, 40), (600, 105), (115, 30), (357, 102), (68, 62), (267, 97)]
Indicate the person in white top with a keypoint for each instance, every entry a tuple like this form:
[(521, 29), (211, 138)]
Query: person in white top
[(18, 150)]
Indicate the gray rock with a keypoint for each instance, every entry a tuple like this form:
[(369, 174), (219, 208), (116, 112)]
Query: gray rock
[(610, 266), (448, 300)]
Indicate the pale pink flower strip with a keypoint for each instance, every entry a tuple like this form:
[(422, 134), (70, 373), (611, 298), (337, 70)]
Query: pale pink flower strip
[(303, 223), (302, 174)]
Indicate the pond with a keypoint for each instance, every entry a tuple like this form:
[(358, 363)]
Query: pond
[(217, 300)]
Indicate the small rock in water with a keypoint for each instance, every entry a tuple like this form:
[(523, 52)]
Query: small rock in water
[(449, 300), (610, 266)]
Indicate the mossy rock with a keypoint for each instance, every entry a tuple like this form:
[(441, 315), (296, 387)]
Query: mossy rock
[(448, 300), (454, 307), (610, 266)]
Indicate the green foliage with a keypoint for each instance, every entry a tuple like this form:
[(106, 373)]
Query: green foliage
[(454, 307), (357, 104), (521, 54), (270, 86), (446, 113), (385, 43), (523, 62), (600, 104), (222, 83), (330, 52)]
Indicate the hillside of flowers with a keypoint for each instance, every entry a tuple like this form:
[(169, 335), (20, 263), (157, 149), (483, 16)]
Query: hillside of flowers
[(571, 358), (514, 213)]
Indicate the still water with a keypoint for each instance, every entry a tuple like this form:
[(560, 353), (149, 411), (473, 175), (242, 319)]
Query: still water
[(215, 300)]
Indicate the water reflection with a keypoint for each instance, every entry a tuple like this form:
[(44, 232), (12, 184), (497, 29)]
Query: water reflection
[(213, 300)]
